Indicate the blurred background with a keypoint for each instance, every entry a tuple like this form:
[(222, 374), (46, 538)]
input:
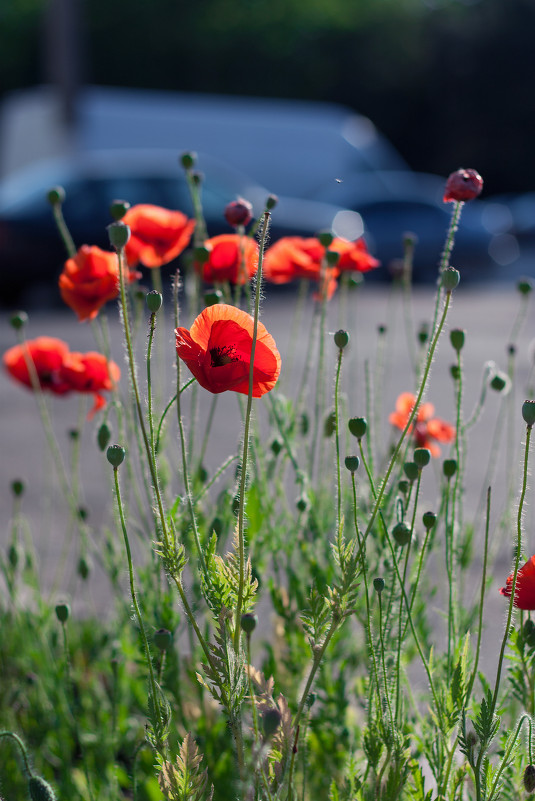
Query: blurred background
[(367, 106)]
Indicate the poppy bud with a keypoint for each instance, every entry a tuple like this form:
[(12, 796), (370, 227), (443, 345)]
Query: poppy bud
[(213, 297), (449, 467), (381, 329), (217, 526), (463, 185), (411, 470), (18, 320), (162, 639), (403, 486), (118, 209), (499, 382), (528, 412), (115, 455), (472, 738), (332, 258), (154, 301), (455, 372), (62, 612), (378, 585), (423, 333), (450, 279), (304, 424), (358, 426), (103, 436), (13, 555), (83, 568), (310, 700), (352, 463), (341, 339), (83, 514), (17, 487), (197, 178), (429, 519), (329, 426), (248, 622), (118, 234), (271, 202), (511, 349), (201, 255), (238, 212), (525, 286), (325, 238), (528, 632), (529, 779), (271, 721), (188, 159), (422, 457), (40, 790), (457, 339), (56, 195), (276, 447), (302, 503), (401, 533)]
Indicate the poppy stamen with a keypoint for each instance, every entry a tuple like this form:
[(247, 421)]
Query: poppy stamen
[(223, 355)]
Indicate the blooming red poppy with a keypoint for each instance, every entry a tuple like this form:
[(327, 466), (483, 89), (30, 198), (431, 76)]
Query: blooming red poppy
[(294, 257), (525, 586), (231, 257), (217, 350), (90, 372), (354, 256), (89, 280), (157, 235), (47, 355), (428, 429)]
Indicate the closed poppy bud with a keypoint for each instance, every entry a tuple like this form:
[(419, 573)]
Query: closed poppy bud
[(154, 301), (62, 612), (118, 209), (528, 412), (463, 185), (358, 426), (429, 519), (83, 568), (119, 234), (302, 503), (450, 279), (271, 202), (271, 721), (457, 338), (115, 455), (401, 533), (525, 286), (325, 238), (83, 514), (528, 632), (17, 487), (403, 486), (449, 467), (329, 426), (529, 779), (378, 585), (423, 333), (40, 790), (455, 372), (18, 320), (197, 178), (56, 195), (213, 297), (381, 329), (249, 622), (411, 470), (304, 424), (352, 463), (103, 436), (422, 457), (201, 254), (341, 339), (276, 447), (238, 212), (499, 382), (332, 257), (188, 159), (162, 639), (13, 555)]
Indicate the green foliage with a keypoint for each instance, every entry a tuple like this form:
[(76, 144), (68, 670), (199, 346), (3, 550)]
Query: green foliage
[(183, 780)]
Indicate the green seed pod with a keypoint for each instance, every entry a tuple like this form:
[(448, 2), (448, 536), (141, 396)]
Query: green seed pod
[(378, 585), (429, 519), (411, 470), (84, 568), (455, 372), (401, 533), (358, 426), (352, 463), (62, 612), (249, 622), (118, 209), (188, 159), (154, 301), (40, 790), (271, 721), (528, 412), (341, 339), (201, 255), (74, 434), (381, 329), (403, 486), (329, 425), (119, 234), (302, 503), (450, 279), (310, 700), (18, 320), (423, 333), (13, 555), (271, 202), (212, 298), (276, 447), (56, 196), (197, 178), (499, 382), (115, 455), (457, 339), (422, 457), (83, 513), (103, 436), (525, 286), (17, 487), (332, 258), (162, 639), (449, 467), (529, 779), (325, 238)]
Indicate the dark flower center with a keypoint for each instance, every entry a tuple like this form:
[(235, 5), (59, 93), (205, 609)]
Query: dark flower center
[(223, 355)]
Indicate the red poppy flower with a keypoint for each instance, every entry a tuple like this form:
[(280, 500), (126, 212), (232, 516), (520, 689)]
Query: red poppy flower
[(294, 257), (47, 355), (231, 257), (157, 235), (354, 256), (525, 586), (89, 280), (90, 372), (428, 429), (217, 350)]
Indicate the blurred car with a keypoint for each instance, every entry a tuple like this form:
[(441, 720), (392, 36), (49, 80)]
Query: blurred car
[(32, 253)]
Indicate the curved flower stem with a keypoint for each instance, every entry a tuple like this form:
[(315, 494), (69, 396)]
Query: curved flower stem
[(165, 411), (446, 253), (152, 326), (64, 232), (243, 476), (337, 441), (22, 748)]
